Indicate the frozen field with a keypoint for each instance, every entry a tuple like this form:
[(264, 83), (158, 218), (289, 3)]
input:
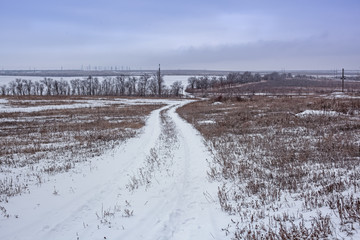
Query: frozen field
[(151, 186), (287, 166), (253, 167)]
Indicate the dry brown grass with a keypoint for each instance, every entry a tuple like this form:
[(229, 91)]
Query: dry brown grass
[(85, 128), (264, 152), (52, 141), (296, 86)]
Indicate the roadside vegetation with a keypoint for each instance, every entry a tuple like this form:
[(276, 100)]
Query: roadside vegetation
[(287, 166)]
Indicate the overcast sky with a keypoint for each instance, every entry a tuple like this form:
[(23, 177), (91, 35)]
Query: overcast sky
[(211, 34)]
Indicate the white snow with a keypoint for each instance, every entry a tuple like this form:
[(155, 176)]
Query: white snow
[(5, 107), (318, 113), (207, 122), (217, 103), (337, 95), (93, 200)]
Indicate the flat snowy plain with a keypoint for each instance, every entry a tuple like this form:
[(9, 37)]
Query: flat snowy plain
[(153, 186), (169, 182)]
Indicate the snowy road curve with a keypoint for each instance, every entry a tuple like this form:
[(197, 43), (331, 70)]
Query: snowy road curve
[(154, 186)]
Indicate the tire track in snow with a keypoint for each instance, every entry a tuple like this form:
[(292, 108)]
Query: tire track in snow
[(178, 207), (174, 205), (45, 216)]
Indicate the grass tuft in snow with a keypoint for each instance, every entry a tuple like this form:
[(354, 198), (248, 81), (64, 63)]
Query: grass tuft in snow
[(167, 141)]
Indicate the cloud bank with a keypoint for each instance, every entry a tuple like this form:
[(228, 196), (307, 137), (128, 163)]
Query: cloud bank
[(227, 35)]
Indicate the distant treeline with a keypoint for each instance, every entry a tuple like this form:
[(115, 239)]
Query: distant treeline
[(234, 78), (145, 85)]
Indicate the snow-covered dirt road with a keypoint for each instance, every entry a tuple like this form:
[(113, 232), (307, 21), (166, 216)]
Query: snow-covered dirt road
[(154, 186)]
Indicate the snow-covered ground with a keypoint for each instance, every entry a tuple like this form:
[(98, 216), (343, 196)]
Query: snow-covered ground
[(153, 186), (84, 103), (288, 167)]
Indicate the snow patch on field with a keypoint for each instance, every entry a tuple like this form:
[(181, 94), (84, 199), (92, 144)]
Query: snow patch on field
[(318, 113), (207, 122), (343, 95), (217, 103), (5, 107)]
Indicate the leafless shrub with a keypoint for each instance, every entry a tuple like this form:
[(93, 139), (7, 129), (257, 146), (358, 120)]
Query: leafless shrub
[(128, 213), (107, 214), (4, 213)]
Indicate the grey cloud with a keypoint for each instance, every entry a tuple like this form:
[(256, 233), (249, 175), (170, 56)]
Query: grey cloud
[(307, 54)]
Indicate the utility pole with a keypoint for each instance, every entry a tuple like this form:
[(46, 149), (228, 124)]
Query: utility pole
[(342, 80), (159, 81)]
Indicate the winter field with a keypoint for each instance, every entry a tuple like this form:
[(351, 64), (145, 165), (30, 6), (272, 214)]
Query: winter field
[(91, 168), (253, 167), (287, 167)]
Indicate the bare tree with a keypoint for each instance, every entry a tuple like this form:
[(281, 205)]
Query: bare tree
[(41, 89), (257, 77), (222, 81), (106, 86), (153, 86), (132, 83), (74, 86), (12, 88), (48, 83), (19, 86), (26, 87), (36, 88), (3, 90), (192, 82), (95, 86), (143, 84), (55, 87), (176, 88), (204, 82), (120, 85)]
